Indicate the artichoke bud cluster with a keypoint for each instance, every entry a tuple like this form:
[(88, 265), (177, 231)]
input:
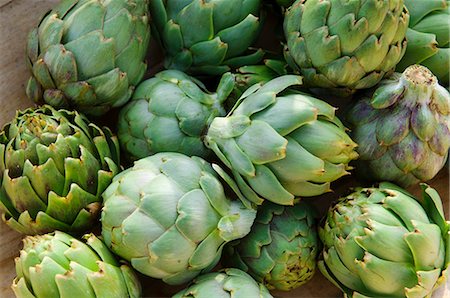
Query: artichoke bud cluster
[(58, 265), (54, 167)]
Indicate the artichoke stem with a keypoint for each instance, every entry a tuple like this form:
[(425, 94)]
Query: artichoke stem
[(419, 84)]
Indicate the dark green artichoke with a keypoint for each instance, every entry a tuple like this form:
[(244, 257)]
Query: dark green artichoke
[(403, 131), (170, 112), (88, 54), (428, 37), (280, 144), (207, 37), (280, 250), (249, 75), (57, 265), (227, 283), (345, 44), (54, 166), (169, 217), (383, 242)]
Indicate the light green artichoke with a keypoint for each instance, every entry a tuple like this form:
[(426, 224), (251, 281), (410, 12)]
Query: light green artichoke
[(281, 144), (57, 265), (383, 242), (403, 131), (54, 166), (428, 37), (281, 249), (347, 45), (88, 54), (207, 37), (170, 112), (169, 216), (229, 282)]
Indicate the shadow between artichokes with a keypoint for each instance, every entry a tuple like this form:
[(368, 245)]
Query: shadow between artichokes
[(54, 166)]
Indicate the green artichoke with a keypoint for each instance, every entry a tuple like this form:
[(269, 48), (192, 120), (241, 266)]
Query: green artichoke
[(403, 131), (57, 265), (169, 216), (229, 282), (281, 144), (280, 250), (88, 54), (247, 76), (346, 45), (207, 37), (428, 37), (383, 242), (170, 112), (54, 166)]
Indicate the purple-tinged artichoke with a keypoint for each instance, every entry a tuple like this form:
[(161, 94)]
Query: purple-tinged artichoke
[(403, 131)]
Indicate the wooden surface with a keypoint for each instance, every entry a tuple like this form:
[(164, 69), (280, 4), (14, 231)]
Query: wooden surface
[(17, 17)]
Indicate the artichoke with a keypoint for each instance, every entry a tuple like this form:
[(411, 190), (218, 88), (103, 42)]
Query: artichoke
[(383, 242), (247, 76), (280, 145), (88, 54), (169, 216), (207, 37), (280, 250), (57, 265), (403, 131), (54, 166), (347, 45), (170, 112), (229, 282), (428, 37)]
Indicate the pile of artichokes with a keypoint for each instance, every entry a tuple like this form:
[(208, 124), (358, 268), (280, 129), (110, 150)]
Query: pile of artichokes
[(223, 193)]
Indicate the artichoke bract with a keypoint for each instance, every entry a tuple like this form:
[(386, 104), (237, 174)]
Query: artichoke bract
[(88, 54), (229, 282), (249, 75), (280, 144), (346, 45), (281, 249), (169, 216), (54, 166), (170, 112), (383, 242), (207, 37), (403, 131), (58, 265), (428, 37)]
